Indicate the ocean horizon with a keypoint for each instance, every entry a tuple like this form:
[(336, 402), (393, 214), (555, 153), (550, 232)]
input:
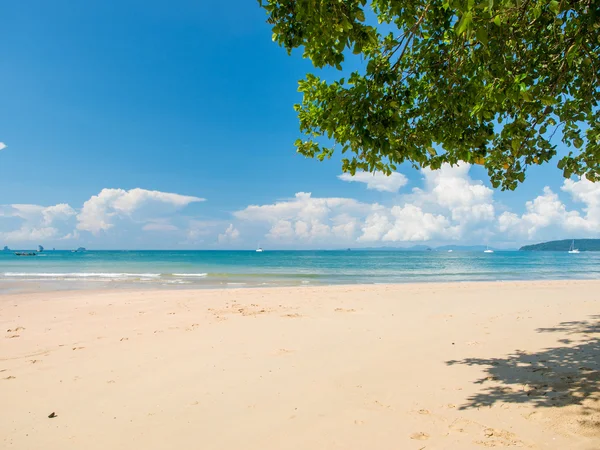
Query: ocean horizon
[(99, 269)]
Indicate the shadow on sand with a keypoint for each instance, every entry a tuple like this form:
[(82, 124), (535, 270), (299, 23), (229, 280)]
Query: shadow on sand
[(556, 377)]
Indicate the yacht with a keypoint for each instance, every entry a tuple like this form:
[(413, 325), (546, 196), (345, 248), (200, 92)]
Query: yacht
[(259, 249), (572, 249), (488, 250)]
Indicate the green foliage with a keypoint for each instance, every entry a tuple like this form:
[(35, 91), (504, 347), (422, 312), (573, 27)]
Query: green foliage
[(487, 82)]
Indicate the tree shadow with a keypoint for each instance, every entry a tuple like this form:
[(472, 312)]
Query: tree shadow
[(554, 377)]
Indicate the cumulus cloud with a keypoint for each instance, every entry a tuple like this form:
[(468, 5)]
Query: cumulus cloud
[(229, 235), (547, 217), (377, 180), (450, 206), (35, 222), (308, 218), (588, 193), (100, 212), (2, 145)]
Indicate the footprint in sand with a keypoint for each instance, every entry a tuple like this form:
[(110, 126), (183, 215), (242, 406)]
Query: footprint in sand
[(13, 336), (420, 436), (78, 348), (292, 316), (344, 310), (423, 411), (10, 377), (486, 436), (15, 330)]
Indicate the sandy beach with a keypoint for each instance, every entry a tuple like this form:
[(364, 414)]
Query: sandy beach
[(424, 366)]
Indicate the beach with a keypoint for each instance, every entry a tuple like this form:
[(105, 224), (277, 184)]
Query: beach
[(409, 366)]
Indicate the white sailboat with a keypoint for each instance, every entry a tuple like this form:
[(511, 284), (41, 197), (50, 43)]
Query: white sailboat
[(488, 250), (572, 249), (259, 249)]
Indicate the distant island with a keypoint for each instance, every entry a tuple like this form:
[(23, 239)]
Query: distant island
[(584, 245)]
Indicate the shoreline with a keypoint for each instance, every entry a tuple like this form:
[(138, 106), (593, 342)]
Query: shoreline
[(436, 365), (141, 287)]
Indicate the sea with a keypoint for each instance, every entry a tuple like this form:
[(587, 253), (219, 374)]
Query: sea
[(65, 270)]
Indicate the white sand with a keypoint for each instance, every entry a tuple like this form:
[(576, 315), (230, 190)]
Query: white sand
[(346, 367)]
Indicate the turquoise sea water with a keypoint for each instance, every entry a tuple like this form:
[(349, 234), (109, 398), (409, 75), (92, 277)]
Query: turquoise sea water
[(210, 269)]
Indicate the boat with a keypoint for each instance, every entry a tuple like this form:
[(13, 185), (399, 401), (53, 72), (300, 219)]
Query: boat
[(572, 249), (488, 250), (40, 249), (259, 249), (79, 250), (25, 253), (450, 251)]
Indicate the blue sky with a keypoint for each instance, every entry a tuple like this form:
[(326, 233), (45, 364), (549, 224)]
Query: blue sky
[(193, 99)]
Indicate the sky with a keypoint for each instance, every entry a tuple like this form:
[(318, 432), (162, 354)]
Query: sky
[(170, 125)]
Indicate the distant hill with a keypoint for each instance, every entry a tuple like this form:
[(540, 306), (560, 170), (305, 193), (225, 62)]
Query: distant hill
[(584, 245)]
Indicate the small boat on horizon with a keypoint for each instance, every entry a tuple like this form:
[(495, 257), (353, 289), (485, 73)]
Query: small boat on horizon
[(572, 249), (259, 249), (488, 250), (25, 253)]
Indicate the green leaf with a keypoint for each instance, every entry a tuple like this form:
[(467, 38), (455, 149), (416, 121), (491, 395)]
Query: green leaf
[(571, 53), (497, 20), (465, 22), (553, 6), (482, 35), (526, 96)]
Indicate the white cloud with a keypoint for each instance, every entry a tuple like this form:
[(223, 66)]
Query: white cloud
[(100, 211), (547, 217), (2, 145), (229, 235), (588, 193), (450, 206), (378, 181), (35, 222), (308, 218)]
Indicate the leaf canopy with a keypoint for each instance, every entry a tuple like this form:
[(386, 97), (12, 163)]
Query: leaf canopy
[(486, 82)]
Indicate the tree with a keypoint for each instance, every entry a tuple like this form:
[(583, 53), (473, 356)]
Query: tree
[(487, 82)]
